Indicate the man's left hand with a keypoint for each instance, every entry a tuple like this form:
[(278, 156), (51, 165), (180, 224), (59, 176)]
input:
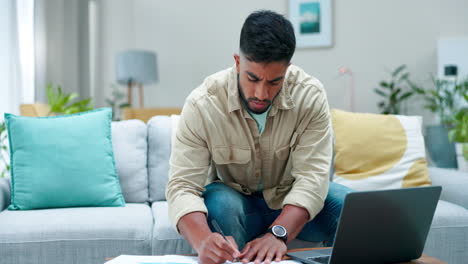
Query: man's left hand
[(267, 248)]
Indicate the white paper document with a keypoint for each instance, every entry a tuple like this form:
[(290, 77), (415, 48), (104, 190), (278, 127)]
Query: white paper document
[(169, 259)]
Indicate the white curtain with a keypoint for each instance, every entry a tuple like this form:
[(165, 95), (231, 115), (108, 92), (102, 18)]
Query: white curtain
[(16, 54), (16, 60)]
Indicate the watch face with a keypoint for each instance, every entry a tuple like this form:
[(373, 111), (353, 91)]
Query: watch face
[(279, 231)]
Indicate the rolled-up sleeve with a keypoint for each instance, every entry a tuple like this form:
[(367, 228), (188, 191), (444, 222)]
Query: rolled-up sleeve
[(189, 163), (311, 160)]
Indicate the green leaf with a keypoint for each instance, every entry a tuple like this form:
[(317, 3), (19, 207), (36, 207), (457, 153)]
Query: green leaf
[(419, 90), (460, 114), (384, 84), (404, 77), (380, 92), (119, 96), (49, 94), (124, 105), (72, 96), (52, 96), (393, 95), (432, 108), (436, 95), (67, 98), (398, 70), (110, 102), (80, 106), (405, 96), (85, 102), (451, 135)]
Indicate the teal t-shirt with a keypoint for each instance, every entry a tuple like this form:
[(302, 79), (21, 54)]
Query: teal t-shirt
[(260, 119)]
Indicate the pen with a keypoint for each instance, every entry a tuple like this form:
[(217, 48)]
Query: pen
[(218, 229)]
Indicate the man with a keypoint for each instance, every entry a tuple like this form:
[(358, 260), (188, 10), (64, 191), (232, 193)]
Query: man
[(252, 151)]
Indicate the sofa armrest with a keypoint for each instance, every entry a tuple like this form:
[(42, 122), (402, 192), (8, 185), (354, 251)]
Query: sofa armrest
[(454, 185), (4, 193)]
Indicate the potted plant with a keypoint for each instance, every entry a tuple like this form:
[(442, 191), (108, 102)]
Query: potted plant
[(60, 103), (459, 134), (444, 101), (395, 91), (117, 102)]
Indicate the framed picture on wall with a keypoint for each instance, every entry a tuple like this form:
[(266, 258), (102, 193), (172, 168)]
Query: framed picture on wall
[(312, 22)]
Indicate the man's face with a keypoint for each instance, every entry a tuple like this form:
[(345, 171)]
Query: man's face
[(259, 83)]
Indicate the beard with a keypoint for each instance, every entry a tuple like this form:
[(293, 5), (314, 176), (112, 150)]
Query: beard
[(246, 101)]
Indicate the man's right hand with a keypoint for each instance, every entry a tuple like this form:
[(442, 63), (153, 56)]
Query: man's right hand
[(215, 249), (212, 248)]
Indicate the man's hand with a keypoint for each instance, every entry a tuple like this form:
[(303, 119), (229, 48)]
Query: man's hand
[(215, 249), (266, 248)]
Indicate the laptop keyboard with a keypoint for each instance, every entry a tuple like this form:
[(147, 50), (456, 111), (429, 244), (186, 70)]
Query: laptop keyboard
[(320, 259)]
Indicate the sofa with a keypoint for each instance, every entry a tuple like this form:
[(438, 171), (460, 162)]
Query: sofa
[(142, 227)]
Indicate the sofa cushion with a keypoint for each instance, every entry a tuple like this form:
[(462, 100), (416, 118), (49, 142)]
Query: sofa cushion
[(453, 184), (129, 138), (63, 161), (448, 236), (166, 240), (159, 152), (375, 152), (87, 234)]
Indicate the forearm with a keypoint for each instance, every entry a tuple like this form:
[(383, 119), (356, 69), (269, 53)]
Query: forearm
[(194, 228), (293, 218)]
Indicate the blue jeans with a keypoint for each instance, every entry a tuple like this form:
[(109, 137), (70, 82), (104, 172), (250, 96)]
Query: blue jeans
[(246, 217)]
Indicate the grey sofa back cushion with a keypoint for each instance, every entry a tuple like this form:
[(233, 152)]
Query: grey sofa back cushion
[(129, 139), (159, 151)]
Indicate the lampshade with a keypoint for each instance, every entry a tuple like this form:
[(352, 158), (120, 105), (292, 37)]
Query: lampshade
[(136, 66)]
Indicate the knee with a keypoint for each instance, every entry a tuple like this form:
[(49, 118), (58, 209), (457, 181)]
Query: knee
[(223, 202), (336, 197)]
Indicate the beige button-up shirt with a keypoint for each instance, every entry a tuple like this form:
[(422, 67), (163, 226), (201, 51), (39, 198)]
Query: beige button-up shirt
[(217, 139)]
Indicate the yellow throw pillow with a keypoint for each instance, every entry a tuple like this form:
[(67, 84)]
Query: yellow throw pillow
[(374, 152)]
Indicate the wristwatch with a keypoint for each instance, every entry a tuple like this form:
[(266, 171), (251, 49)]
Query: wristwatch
[(279, 232)]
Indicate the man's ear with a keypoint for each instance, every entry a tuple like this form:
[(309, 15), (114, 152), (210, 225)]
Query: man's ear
[(237, 59)]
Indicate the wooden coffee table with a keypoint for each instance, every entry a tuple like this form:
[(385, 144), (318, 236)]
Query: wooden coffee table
[(424, 259)]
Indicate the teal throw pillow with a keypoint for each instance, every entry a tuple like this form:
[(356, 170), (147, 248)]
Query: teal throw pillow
[(63, 161)]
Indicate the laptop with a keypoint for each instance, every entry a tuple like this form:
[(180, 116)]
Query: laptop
[(386, 226)]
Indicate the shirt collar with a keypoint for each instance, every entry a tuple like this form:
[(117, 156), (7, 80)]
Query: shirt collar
[(282, 101)]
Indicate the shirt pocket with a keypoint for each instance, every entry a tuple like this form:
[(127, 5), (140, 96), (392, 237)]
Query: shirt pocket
[(233, 164), (231, 155)]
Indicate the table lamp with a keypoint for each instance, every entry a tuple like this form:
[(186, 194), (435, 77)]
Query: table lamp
[(136, 67)]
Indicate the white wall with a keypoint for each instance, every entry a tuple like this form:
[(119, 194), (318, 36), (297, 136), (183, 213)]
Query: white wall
[(196, 38)]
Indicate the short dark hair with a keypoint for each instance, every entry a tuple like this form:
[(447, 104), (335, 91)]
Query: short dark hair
[(267, 36)]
